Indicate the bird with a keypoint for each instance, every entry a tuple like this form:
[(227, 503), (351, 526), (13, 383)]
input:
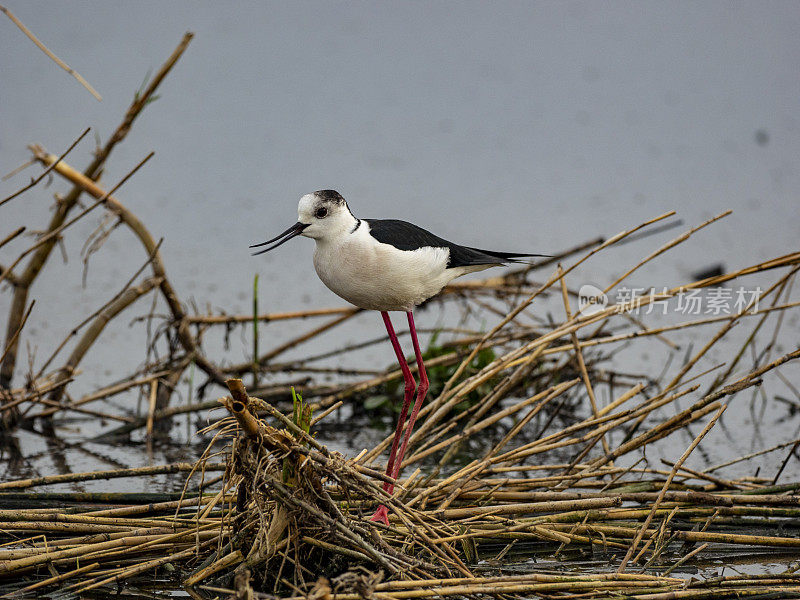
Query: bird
[(385, 265)]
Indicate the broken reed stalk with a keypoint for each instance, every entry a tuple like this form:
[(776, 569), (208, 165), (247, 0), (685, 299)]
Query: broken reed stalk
[(106, 314), (145, 237), (102, 315), (50, 54), (24, 280), (132, 472), (34, 181), (665, 488), (269, 317)]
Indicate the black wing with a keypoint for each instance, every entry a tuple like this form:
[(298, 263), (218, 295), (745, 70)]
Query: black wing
[(407, 236)]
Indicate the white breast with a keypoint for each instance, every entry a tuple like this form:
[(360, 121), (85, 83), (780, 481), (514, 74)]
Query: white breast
[(378, 276)]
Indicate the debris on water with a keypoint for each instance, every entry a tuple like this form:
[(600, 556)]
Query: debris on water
[(714, 270)]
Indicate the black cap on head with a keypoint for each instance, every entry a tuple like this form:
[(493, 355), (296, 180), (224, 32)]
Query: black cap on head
[(330, 196)]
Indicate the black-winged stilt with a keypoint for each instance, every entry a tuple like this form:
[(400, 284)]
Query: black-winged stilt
[(384, 264)]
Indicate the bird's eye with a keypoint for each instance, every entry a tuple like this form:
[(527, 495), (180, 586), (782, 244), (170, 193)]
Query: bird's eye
[(321, 213)]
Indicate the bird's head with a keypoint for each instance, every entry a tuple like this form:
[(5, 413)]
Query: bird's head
[(324, 214), (320, 215)]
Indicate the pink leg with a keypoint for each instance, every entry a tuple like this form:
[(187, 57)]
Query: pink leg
[(422, 390), (382, 514)]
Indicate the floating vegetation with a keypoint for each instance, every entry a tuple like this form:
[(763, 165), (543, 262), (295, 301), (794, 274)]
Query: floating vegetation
[(540, 467)]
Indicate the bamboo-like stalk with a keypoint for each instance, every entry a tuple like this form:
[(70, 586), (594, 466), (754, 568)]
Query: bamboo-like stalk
[(268, 317), (667, 483), (50, 54), (132, 472), (56, 579), (25, 280), (33, 182), (150, 245)]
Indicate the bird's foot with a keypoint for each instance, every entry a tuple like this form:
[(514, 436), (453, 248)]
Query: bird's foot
[(381, 515)]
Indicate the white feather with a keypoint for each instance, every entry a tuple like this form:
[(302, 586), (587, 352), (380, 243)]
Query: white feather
[(378, 276)]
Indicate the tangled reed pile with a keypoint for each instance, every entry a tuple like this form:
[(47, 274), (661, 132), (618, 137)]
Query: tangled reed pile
[(290, 518), (521, 479)]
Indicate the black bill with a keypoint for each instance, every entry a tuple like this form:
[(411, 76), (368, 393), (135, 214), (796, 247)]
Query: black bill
[(293, 231)]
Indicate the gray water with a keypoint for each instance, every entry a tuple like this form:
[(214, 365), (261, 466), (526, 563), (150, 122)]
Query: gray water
[(512, 125)]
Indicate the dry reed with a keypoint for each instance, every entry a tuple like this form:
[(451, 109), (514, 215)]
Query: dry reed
[(554, 469)]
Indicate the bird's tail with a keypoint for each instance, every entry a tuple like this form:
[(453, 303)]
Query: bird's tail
[(511, 257)]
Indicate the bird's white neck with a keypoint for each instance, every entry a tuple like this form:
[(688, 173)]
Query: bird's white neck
[(338, 229)]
